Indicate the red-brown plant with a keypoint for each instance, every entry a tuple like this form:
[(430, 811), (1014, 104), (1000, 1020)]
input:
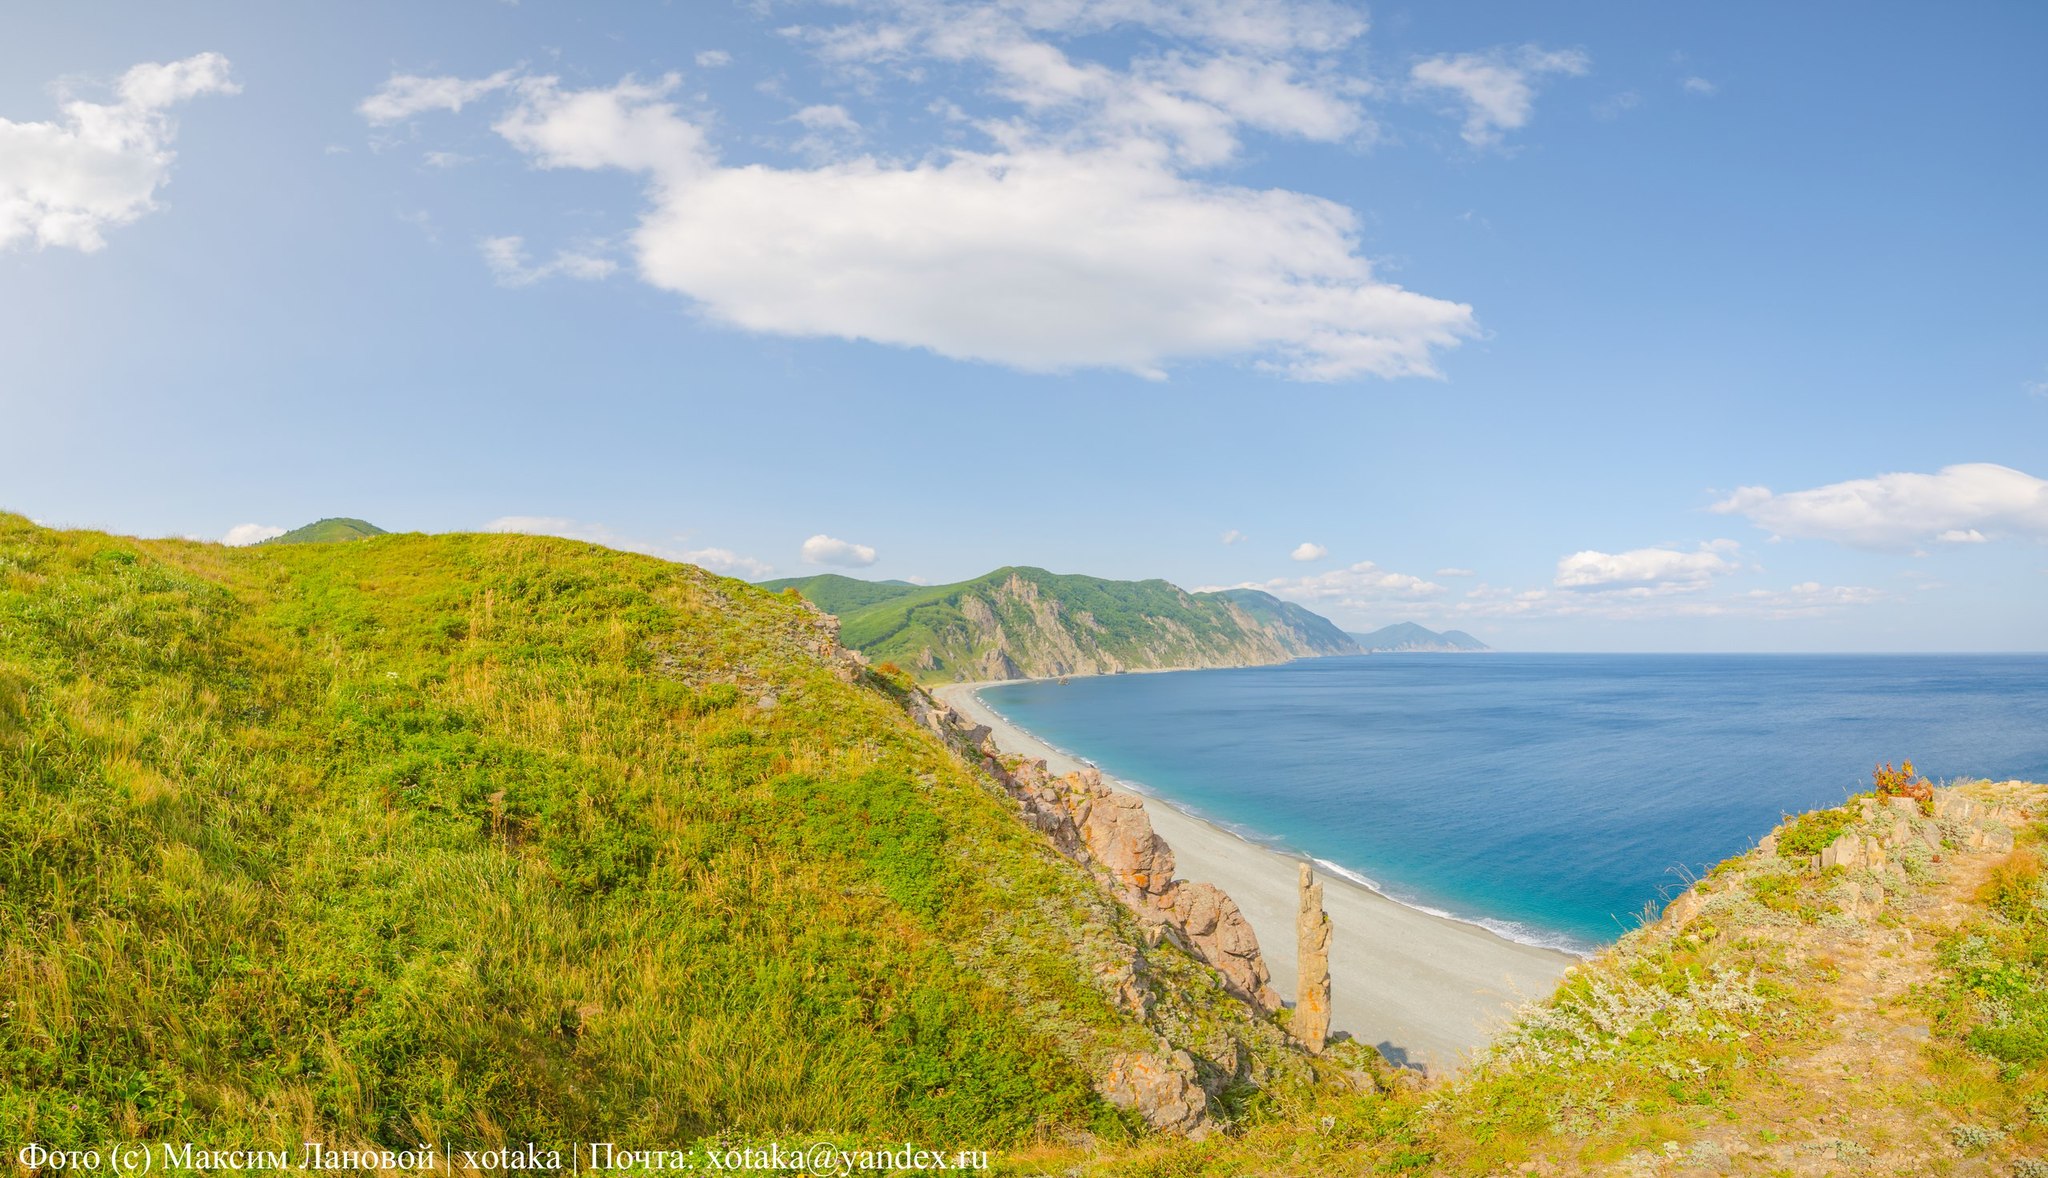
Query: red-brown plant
[(1900, 783)]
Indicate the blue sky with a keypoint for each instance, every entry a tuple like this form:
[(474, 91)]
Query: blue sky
[(1596, 326)]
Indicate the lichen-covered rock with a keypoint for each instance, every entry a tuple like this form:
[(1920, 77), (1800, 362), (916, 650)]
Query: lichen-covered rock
[(1164, 1091), (1219, 935)]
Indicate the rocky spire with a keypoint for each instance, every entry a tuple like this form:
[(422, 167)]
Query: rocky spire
[(1311, 1022)]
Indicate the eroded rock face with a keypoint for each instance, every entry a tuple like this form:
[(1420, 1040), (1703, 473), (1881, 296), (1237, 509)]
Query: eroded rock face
[(1162, 1090), (1219, 934), (1109, 832), (1312, 936)]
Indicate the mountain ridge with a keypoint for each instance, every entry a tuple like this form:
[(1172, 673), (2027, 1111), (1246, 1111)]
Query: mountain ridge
[(1408, 637), (1020, 622)]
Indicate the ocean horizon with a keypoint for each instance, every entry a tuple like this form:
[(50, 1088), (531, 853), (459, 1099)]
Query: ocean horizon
[(1553, 798)]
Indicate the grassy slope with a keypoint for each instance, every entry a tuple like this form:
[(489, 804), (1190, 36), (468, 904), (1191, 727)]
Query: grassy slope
[(839, 595), (477, 838), (498, 838)]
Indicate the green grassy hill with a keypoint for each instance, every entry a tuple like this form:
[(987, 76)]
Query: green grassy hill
[(329, 531), (495, 839), (1019, 622), (841, 595), (472, 838)]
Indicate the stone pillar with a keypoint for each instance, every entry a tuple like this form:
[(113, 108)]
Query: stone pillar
[(1311, 1022)]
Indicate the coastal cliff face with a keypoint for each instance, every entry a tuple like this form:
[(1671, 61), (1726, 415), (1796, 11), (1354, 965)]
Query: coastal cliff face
[(1028, 623), (1109, 833)]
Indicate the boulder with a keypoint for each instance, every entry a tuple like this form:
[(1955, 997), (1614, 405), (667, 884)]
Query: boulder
[(1119, 834), (1161, 1090)]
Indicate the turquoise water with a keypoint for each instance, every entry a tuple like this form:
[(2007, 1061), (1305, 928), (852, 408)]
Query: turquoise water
[(1550, 797)]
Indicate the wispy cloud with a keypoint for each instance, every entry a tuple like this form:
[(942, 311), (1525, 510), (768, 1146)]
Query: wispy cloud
[(243, 535), (506, 257), (1497, 89), (403, 96)]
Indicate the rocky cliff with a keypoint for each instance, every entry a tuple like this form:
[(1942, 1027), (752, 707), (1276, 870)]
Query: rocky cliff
[(1109, 833)]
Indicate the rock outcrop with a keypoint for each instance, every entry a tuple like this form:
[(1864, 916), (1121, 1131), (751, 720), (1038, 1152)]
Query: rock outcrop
[(1162, 1090), (1109, 832), (1875, 848), (1312, 935)]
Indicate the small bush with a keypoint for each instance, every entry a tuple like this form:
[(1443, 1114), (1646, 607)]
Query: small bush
[(1971, 1138), (2014, 887), (1810, 833)]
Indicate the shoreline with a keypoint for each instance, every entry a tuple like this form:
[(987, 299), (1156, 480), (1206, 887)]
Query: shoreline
[(1426, 989)]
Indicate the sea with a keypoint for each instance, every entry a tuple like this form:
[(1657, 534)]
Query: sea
[(1553, 798)]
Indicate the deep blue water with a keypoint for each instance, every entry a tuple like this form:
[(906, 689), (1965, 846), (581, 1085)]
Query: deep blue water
[(1550, 796)]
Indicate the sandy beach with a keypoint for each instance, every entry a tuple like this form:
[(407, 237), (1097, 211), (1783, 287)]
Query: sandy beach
[(1425, 989)]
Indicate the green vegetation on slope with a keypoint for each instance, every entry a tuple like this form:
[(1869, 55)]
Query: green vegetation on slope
[(329, 531), (470, 839), (1028, 622), (839, 595), (1322, 634)]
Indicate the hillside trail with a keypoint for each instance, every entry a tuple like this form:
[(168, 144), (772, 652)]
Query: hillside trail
[(1862, 1101)]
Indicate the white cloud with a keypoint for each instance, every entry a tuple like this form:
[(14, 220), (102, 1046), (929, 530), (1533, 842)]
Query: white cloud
[(1962, 536), (725, 560), (1264, 65), (1496, 88), (1646, 603), (1698, 85), (63, 183), (506, 256), (1043, 259), (406, 95), (712, 59), (1896, 511), (823, 549), (1078, 237), (1456, 573), (445, 159), (718, 560), (1646, 570), (827, 118), (243, 535), (1307, 550), (1233, 536), (833, 132), (1361, 586)]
